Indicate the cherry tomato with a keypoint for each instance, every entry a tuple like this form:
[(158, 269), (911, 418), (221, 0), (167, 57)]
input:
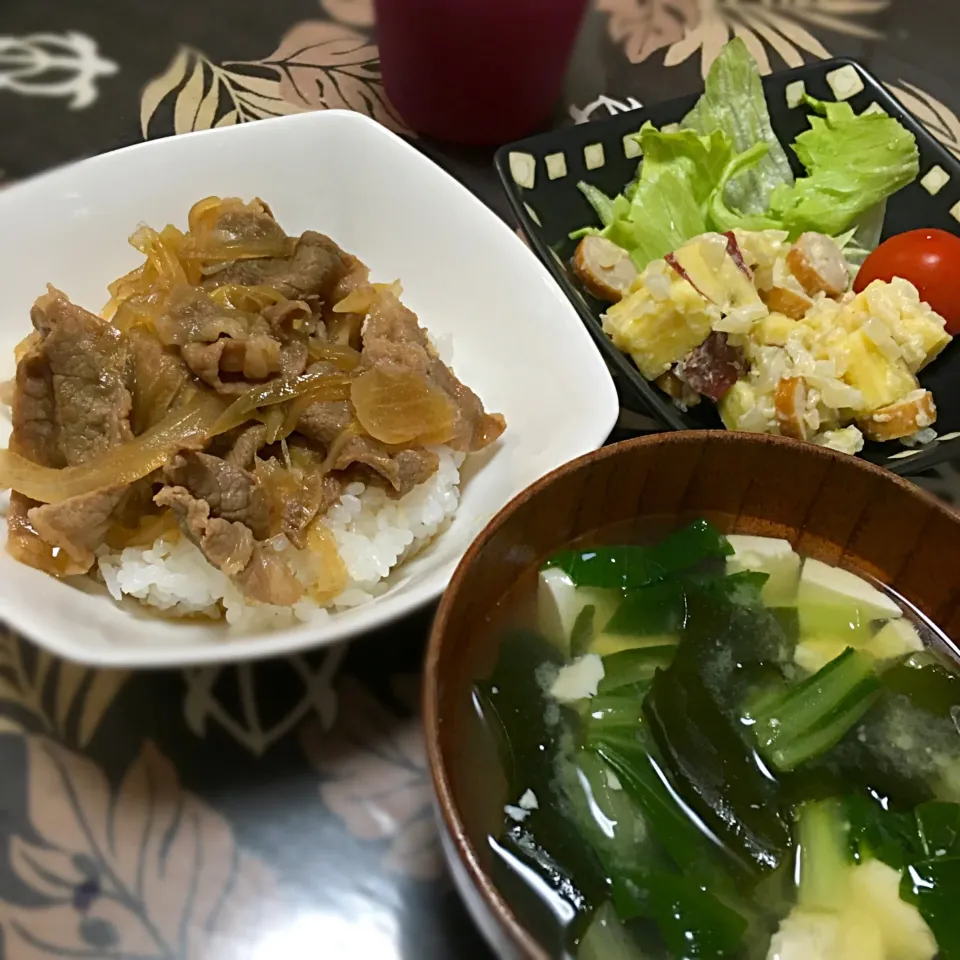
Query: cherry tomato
[(930, 260)]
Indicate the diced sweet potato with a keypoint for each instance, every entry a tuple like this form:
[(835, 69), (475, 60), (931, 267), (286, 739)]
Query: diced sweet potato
[(881, 381), (659, 331), (713, 367), (604, 268), (916, 411), (790, 403), (773, 330), (817, 262)]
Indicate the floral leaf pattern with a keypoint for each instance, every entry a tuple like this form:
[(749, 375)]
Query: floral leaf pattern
[(780, 26), (374, 777), (53, 695), (148, 872), (330, 66), (645, 26), (248, 728), (599, 105), (54, 65), (318, 66), (937, 117), (113, 857), (205, 95), (154, 92)]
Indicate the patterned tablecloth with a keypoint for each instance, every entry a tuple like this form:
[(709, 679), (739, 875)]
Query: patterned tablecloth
[(282, 809)]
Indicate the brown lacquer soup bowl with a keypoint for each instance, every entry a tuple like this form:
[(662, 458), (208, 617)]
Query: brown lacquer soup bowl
[(832, 507)]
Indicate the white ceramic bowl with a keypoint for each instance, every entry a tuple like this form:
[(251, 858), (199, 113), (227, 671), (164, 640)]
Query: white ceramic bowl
[(516, 339)]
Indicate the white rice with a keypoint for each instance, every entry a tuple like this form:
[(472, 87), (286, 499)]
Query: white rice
[(373, 534)]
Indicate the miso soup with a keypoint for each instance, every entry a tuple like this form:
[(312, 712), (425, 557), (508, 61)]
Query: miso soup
[(714, 747)]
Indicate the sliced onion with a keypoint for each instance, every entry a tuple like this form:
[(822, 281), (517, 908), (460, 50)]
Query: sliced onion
[(149, 529), (351, 430), (206, 241), (401, 407), (361, 299), (250, 298), (27, 546), (273, 419), (340, 354), (203, 214), (124, 463), (322, 386), (279, 486), (26, 345), (329, 572)]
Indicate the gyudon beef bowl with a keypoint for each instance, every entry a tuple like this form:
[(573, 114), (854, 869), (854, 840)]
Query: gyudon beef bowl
[(251, 428), (695, 695), (265, 424)]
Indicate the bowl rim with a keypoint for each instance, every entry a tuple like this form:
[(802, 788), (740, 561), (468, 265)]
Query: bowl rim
[(380, 611), (446, 804)]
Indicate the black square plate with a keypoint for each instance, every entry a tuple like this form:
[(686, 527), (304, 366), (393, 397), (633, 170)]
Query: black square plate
[(553, 207)]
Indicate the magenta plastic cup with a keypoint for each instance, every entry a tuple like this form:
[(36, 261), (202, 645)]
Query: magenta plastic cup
[(477, 72)]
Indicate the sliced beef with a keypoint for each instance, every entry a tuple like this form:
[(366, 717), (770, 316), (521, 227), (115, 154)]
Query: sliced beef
[(356, 274), (223, 347), (233, 349), (229, 365), (473, 427), (227, 545), (192, 316), (248, 225), (293, 358), (230, 491), (71, 404), (36, 433), (394, 340), (268, 579), (402, 469), (259, 571), (244, 447), (159, 374), (78, 525), (289, 320), (345, 327), (314, 269), (325, 420), (316, 496), (72, 401)]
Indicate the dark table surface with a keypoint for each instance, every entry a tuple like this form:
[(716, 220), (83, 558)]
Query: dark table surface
[(282, 810)]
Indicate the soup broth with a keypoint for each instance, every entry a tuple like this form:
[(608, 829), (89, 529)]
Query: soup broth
[(708, 746)]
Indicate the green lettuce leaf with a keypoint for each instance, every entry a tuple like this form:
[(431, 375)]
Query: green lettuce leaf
[(725, 170), (733, 103), (853, 163), (669, 200)]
